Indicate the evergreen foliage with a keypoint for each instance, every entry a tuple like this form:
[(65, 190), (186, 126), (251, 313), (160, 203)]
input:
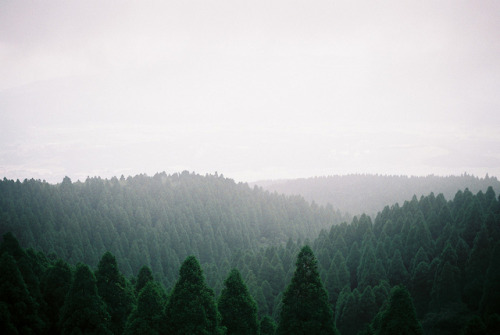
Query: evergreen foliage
[(490, 301), (237, 308), (378, 190), (19, 307), (83, 311), (157, 221), (305, 308), (56, 283), (145, 276), (115, 291), (399, 317), (191, 308), (267, 326), (147, 316), (446, 252)]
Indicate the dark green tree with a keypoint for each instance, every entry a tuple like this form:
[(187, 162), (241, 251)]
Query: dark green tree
[(267, 326), (347, 312), (472, 222), (55, 286), (370, 270), (490, 301), (397, 274), (352, 263), (399, 317), (367, 307), (305, 308), (114, 291), (475, 273), (191, 308), (19, 307), (145, 275), (445, 289), (337, 278), (237, 307), (418, 236), (147, 316), (84, 312), (421, 287)]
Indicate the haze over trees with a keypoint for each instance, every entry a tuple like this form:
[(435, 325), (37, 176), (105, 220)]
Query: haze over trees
[(365, 193), (156, 221), (428, 265)]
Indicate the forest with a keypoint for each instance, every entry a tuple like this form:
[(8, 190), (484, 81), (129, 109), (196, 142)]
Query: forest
[(378, 190), (191, 254)]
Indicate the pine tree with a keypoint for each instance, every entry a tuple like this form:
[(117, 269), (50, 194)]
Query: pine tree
[(55, 286), (237, 307), (475, 273), (490, 301), (347, 312), (400, 316), (25, 264), (145, 275), (267, 326), (367, 307), (418, 236), (472, 222), (19, 307), (370, 270), (421, 287), (84, 311), (191, 308), (114, 291), (305, 308), (147, 316), (332, 284), (397, 273), (445, 289)]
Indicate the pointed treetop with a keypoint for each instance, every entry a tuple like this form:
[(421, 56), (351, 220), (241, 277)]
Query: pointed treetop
[(191, 272), (145, 275), (400, 316), (305, 302), (237, 307)]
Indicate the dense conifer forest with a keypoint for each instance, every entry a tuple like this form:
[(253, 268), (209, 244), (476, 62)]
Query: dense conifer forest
[(190, 254)]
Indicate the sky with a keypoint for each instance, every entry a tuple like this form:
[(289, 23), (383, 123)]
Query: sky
[(253, 90)]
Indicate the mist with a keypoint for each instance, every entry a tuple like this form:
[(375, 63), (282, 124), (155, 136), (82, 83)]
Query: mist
[(254, 90)]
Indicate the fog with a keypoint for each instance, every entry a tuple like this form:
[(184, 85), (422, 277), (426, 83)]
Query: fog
[(251, 89)]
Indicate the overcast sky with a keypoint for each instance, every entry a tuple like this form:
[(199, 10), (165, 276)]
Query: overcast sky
[(250, 89)]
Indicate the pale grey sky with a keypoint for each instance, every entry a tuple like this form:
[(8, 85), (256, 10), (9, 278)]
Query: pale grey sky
[(251, 89)]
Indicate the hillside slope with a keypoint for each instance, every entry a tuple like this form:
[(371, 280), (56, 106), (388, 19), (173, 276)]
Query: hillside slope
[(360, 193), (156, 221)]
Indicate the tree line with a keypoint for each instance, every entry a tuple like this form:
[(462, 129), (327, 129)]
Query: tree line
[(442, 255), (366, 193), (42, 296), (156, 221)]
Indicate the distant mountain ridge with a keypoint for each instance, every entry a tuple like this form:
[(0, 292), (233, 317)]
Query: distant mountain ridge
[(365, 193)]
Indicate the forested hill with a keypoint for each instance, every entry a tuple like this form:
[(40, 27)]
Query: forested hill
[(428, 266), (155, 221), (362, 193)]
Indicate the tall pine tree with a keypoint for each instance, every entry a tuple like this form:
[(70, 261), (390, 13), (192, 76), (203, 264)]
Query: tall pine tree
[(399, 317), (237, 307), (115, 291), (191, 308), (305, 307), (146, 318), (84, 312)]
